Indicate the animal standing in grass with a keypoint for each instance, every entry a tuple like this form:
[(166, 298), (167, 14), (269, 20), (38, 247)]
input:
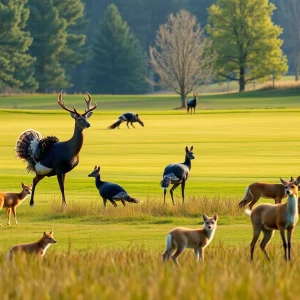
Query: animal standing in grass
[(129, 118), (11, 201), (49, 157), (110, 191), (256, 190), (270, 217), (177, 174), (198, 239), (39, 248), (191, 104)]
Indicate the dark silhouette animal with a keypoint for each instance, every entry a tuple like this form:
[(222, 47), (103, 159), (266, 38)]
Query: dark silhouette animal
[(177, 174), (127, 117), (49, 157), (110, 191), (191, 104)]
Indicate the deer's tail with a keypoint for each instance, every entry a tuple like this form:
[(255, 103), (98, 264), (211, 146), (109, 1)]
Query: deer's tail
[(116, 124), (247, 198), (133, 200), (165, 182), (26, 146)]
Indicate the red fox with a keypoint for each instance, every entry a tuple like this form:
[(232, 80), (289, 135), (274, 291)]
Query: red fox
[(12, 200), (38, 248), (198, 239)]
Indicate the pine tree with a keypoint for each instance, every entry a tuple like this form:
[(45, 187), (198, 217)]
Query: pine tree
[(49, 39), (16, 65), (117, 62), (246, 40)]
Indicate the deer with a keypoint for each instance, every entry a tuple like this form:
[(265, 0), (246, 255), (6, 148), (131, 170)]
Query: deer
[(48, 156), (11, 201), (129, 118), (256, 190), (177, 174), (192, 103), (269, 217)]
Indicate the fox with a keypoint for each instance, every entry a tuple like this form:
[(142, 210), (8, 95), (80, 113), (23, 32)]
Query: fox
[(12, 200), (39, 248), (198, 239)]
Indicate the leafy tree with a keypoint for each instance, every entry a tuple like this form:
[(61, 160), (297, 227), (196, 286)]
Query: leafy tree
[(16, 65), (246, 40), (183, 57), (117, 61), (49, 39)]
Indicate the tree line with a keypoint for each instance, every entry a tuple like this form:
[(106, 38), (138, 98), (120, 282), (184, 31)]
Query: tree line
[(129, 46)]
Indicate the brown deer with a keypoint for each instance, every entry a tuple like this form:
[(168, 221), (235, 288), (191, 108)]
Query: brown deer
[(270, 217), (49, 157), (11, 201)]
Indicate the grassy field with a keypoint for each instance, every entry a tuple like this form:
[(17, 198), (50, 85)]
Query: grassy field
[(237, 140)]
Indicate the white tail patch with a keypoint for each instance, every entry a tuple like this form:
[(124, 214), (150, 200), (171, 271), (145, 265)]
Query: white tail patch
[(120, 195), (33, 145), (248, 212), (42, 170), (169, 241), (172, 177)]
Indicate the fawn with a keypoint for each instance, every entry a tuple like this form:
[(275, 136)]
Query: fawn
[(198, 239), (38, 248), (12, 200), (270, 217)]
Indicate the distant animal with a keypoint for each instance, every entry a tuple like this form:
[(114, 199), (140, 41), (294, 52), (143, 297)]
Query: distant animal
[(110, 191), (256, 190), (39, 248), (177, 174), (49, 157), (192, 103), (198, 239), (129, 118), (11, 201), (270, 217)]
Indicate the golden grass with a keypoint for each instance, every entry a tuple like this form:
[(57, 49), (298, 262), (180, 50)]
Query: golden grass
[(137, 273)]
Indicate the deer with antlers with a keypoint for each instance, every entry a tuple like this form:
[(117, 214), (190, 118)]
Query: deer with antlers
[(48, 156)]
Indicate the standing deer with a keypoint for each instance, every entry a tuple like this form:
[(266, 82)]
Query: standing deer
[(49, 157), (177, 174), (192, 103), (269, 217)]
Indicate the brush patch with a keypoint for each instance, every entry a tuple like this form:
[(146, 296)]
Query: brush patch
[(120, 195)]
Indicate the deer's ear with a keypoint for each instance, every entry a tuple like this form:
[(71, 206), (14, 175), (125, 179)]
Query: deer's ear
[(186, 149), (45, 234), (297, 180), (205, 217), (137, 115), (88, 114), (192, 148), (216, 217), (23, 185), (98, 169), (74, 116), (283, 181), (292, 178), (51, 232)]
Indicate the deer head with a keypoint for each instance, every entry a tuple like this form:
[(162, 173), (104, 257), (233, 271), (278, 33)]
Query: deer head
[(190, 153), (95, 172), (80, 119)]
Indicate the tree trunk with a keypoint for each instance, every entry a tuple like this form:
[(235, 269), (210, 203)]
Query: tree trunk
[(297, 61), (242, 81), (183, 104)]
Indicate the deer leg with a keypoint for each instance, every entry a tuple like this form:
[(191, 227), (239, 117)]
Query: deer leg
[(35, 181), (289, 238), (14, 210), (177, 253), (132, 125), (256, 232), (284, 244), (172, 189), (123, 202), (255, 198), (113, 202), (8, 211), (127, 124), (104, 202), (182, 190), (165, 191), (268, 234), (61, 181)]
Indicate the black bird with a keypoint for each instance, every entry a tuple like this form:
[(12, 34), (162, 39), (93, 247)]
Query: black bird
[(110, 191), (192, 103), (177, 174), (129, 118)]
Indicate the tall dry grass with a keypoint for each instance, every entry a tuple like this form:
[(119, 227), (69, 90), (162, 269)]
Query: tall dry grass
[(138, 273), (146, 210)]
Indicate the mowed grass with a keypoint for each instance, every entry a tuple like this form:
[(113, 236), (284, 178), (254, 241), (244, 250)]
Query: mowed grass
[(116, 252)]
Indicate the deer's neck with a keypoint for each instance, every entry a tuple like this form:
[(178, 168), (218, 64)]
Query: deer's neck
[(76, 141), (43, 243), (291, 213), (23, 195), (98, 181), (188, 162)]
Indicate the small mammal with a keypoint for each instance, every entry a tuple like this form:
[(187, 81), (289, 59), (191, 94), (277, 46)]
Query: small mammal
[(192, 103), (269, 217), (12, 200), (39, 248), (198, 239), (256, 190), (129, 118)]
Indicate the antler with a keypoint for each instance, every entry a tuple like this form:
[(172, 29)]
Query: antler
[(89, 104), (61, 103)]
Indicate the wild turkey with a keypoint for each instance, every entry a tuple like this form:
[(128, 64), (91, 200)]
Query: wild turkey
[(192, 103), (177, 174), (111, 191), (127, 117)]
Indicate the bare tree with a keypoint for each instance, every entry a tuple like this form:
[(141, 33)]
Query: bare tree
[(289, 14), (183, 57)]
